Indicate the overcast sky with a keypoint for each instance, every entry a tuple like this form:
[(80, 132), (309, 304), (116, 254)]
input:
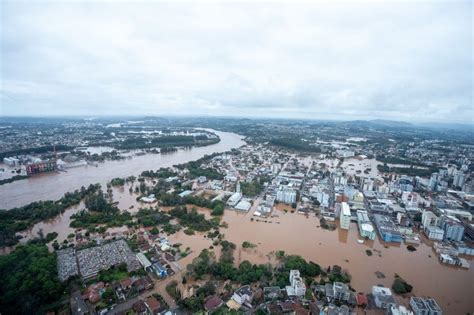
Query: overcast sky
[(391, 60)]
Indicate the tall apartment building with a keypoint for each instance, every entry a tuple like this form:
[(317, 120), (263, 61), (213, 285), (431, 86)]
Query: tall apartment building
[(345, 217)]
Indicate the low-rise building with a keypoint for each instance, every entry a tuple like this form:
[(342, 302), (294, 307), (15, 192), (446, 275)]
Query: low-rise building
[(434, 233), (366, 229), (234, 199), (425, 306), (383, 297)]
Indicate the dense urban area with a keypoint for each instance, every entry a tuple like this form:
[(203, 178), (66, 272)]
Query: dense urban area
[(235, 216)]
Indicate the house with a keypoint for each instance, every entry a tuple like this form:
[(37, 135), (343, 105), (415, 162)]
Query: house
[(139, 307), (126, 284), (243, 295), (153, 305), (271, 293), (212, 303), (361, 299), (79, 306), (143, 284), (93, 292), (383, 297)]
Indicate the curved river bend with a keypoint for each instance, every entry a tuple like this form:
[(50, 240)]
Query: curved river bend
[(52, 186)]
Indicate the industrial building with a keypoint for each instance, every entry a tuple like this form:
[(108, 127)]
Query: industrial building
[(234, 199), (387, 229)]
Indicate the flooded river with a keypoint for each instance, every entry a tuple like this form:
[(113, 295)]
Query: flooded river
[(294, 233), (53, 185)]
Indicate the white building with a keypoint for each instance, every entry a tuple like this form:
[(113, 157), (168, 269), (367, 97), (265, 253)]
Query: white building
[(11, 161), (434, 233), (234, 199), (459, 179), (382, 297), (344, 153), (286, 195), (399, 310), (345, 217), (366, 229), (428, 218), (143, 261), (243, 205), (297, 286)]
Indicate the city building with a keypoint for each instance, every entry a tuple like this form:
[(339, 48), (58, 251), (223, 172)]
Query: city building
[(425, 306), (388, 230), (459, 179), (383, 297), (399, 310), (434, 233), (345, 217), (452, 227), (286, 195), (337, 291), (433, 181), (366, 229), (428, 218), (297, 286)]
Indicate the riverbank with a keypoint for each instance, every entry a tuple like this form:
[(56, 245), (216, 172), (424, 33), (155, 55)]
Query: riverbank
[(51, 186)]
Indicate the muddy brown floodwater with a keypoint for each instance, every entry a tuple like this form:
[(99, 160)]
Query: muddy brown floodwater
[(295, 234), (52, 186)]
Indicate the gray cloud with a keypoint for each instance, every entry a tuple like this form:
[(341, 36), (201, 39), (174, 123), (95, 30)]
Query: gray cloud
[(394, 60)]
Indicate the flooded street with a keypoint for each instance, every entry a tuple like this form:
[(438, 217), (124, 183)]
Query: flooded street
[(52, 186), (295, 234)]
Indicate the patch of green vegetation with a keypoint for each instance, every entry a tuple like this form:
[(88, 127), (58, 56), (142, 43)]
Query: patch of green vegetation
[(400, 286), (247, 244), (189, 231), (113, 274), (192, 219), (117, 181), (12, 179), (29, 280)]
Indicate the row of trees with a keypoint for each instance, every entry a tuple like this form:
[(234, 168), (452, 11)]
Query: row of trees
[(246, 272)]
